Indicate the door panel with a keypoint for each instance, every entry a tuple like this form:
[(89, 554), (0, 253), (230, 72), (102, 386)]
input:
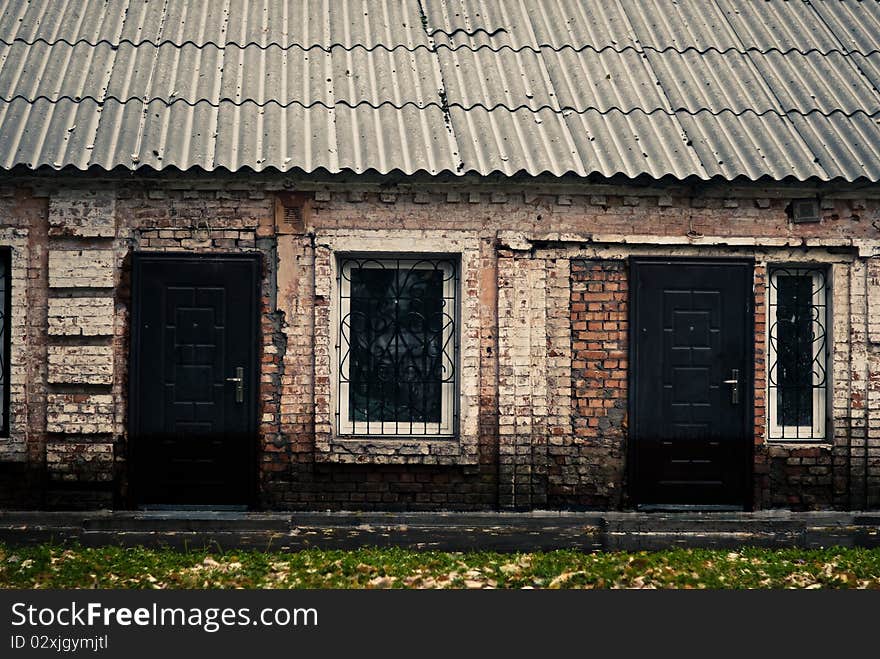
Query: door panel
[(691, 337), (193, 426)]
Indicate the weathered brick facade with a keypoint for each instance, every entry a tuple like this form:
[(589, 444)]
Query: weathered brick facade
[(543, 320), (599, 327)]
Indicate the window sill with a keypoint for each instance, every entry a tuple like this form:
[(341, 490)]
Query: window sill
[(353, 449), (800, 443)]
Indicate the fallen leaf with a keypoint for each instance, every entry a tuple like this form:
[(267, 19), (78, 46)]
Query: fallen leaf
[(559, 580), (382, 582)]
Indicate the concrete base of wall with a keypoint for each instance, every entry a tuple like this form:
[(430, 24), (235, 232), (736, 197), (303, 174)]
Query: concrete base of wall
[(535, 531)]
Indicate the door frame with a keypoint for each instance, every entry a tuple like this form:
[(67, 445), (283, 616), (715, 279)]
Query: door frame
[(748, 391), (132, 404)]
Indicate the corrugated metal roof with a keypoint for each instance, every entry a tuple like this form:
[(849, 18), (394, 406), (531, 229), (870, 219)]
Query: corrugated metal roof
[(511, 24), (190, 74), (682, 88), (701, 25), (767, 82), (134, 134), (285, 23), (724, 25), (565, 79), (856, 25)]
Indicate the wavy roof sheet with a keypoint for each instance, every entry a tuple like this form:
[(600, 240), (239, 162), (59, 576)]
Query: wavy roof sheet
[(285, 23), (683, 88)]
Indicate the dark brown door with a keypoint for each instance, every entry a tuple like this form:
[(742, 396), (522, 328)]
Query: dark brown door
[(194, 378), (691, 377)]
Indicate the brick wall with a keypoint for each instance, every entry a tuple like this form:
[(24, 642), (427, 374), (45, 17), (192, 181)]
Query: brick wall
[(305, 470), (83, 433), (80, 316), (862, 445), (546, 303), (81, 364), (592, 468), (786, 474), (872, 385), (23, 229), (522, 390), (82, 268)]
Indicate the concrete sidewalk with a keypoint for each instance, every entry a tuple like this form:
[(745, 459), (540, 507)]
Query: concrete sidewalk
[(586, 531)]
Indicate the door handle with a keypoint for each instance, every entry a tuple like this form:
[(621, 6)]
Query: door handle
[(239, 384), (734, 388)]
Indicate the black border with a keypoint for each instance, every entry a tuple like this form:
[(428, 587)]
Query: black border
[(138, 259), (633, 263)]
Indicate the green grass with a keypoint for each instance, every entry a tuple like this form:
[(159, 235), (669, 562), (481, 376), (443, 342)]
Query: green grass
[(53, 566)]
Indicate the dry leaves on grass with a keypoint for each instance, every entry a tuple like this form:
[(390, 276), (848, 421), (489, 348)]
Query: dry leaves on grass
[(50, 566)]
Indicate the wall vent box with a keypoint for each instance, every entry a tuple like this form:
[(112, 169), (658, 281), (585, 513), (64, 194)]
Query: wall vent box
[(292, 212), (804, 210)]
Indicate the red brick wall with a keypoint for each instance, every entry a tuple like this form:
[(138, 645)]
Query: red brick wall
[(599, 343)]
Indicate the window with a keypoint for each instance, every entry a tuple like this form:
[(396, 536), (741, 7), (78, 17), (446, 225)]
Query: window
[(797, 375), (5, 317), (366, 284), (397, 346)]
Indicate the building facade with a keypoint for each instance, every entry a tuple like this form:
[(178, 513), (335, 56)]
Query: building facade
[(435, 345), (436, 254)]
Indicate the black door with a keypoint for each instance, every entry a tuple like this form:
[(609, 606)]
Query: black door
[(194, 379), (691, 382)]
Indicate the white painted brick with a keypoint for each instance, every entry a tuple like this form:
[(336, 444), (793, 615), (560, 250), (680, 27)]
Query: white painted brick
[(81, 364), (873, 292), (82, 414), (85, 213), (14, 447), (79, 460), (86, 268), (81, 316)]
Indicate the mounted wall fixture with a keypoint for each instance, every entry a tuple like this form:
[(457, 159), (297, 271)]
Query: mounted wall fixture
[(804, 211)]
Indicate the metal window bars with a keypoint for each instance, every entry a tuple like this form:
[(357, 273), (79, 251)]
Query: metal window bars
[(797, 373), (397, 347)]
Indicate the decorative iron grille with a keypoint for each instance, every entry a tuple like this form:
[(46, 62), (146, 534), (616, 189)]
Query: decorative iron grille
[(398, 346), (797, 374), (5, 307)]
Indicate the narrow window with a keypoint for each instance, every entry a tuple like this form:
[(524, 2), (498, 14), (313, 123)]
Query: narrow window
[(5, 317), (398, 346), (797, 375)]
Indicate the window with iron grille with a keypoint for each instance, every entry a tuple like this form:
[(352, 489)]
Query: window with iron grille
[(797, 355), (397, 346), (5, 306)]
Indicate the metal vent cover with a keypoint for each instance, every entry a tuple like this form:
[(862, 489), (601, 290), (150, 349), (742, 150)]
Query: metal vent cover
[(804, 211)]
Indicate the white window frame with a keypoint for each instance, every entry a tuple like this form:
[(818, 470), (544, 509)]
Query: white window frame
[(817, 431), (446, 427)]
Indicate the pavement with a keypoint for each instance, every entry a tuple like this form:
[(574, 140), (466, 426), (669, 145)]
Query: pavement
[(444, 531)]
